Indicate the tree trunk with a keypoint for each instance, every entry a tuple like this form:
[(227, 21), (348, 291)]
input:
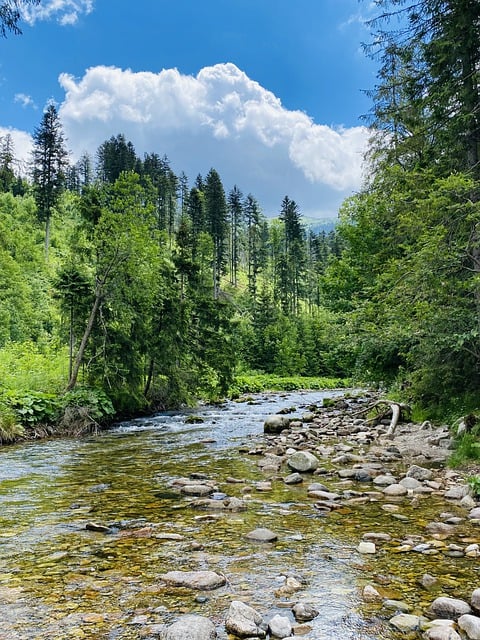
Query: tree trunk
[(86, 334)]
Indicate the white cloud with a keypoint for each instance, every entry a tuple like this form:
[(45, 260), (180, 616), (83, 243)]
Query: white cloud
[(66, 12), (25, 100), (219, 118)]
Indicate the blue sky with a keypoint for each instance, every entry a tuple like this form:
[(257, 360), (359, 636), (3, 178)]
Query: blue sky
[(269, 92)]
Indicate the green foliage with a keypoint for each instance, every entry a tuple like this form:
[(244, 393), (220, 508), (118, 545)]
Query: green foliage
[(474, 484), (256, 383), (95, 401), (467, 449), (30, 367)]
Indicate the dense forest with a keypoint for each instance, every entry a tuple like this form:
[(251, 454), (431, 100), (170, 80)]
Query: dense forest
[(125, 287)]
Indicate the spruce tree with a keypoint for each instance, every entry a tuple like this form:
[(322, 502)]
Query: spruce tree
[(50, 162)]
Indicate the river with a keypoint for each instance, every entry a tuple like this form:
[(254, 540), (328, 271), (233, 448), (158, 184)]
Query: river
[(59, 580)]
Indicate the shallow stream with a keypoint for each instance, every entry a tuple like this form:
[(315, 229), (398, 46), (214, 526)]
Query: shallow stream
[(59, 580)]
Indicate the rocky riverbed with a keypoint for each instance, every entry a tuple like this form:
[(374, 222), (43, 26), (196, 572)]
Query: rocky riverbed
[(271, 517), (345, 460)]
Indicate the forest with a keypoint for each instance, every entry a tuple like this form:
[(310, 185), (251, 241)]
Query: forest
[(126, 288)]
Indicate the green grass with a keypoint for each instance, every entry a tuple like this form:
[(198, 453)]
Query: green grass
[(257, 383)]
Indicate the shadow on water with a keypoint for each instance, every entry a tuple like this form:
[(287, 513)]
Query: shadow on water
[(60, 580)]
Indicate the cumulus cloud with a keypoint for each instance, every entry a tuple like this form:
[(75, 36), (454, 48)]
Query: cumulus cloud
[(66, 12), (25, 100), (219, 118)]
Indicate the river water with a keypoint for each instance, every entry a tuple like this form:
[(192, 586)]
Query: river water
[(59, 580)]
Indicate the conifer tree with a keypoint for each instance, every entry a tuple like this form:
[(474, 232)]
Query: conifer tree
[(50, 162)]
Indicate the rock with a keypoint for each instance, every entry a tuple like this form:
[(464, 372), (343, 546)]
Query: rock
[(303, 461), (405, 622), (427, 581), (262, 535), (475, 600), (395, 490), (419, 473), (471, 625), (441, 528), (190, 627), (456, 493), (472, 551), (377, 537), (439, 631), (474, 514), (449, 608), (467, 502), (276, 423), (411, 483), (280, 627), (384, 480), (304, 612), (396, 605), (370, 594), (243, 621), (197, 489), (200, 580), (366, 547), (293, 478)]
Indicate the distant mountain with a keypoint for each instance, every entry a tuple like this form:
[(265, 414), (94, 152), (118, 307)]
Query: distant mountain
[(319, 225)]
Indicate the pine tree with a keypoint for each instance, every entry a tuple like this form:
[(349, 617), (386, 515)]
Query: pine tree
[(50, 161), (217, 225)]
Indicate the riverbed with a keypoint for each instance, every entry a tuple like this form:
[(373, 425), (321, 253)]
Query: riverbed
[(60, 580)]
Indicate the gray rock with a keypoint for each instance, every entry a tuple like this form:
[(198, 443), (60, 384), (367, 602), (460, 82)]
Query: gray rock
[(410, 483), (449, 608), (475, 600), (293, 478), (262, 535), (471, 625), (304, 612), (456, 493), (303, 461), (276, 423), (280, 627), (441, 631), (384, 480), (474, 514), (396, 605), (200, 580), (419, 473), (405, 622), (190, 627), (243, 621), (442, 528), (395, 490)]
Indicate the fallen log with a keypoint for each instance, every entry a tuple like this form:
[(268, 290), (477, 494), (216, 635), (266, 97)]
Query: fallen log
[(384, 408)]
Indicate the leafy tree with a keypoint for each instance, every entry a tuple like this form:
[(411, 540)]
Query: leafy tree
[(10, 15), (50, 160)]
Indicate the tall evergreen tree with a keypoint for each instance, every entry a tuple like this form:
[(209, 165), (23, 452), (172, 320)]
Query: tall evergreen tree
[(235, 208), (217, 224), (50, 161), (115, 156)]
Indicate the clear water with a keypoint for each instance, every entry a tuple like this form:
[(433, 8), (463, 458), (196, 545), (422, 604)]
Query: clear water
[(60, 580)]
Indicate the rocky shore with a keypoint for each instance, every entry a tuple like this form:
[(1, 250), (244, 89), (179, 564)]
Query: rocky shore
[(344, 458)]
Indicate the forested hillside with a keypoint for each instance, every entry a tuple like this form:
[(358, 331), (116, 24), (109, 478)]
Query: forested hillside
[(122, 282)]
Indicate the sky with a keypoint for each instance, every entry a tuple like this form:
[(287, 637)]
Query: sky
[(270, 93)]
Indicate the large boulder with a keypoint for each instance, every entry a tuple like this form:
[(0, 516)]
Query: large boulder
[(449, 608), (303, 461), (244, 622), (276, 423), (190, 627)]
